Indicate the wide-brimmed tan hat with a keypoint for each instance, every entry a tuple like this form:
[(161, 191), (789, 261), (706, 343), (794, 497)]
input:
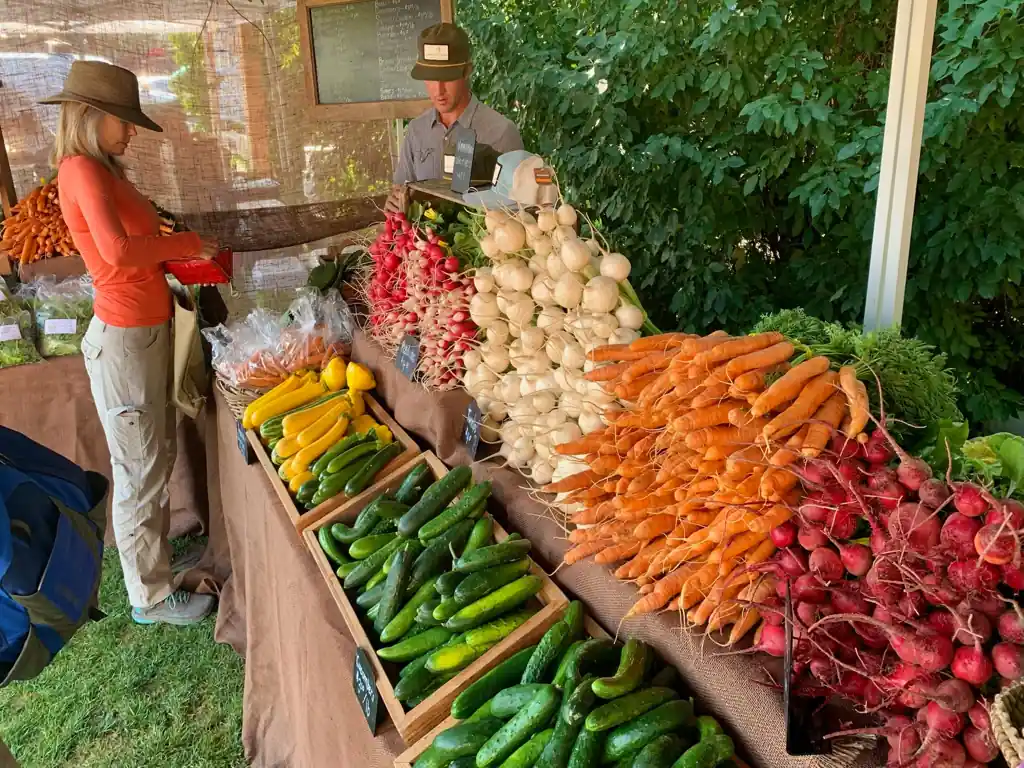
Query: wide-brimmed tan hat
[(110, 89)]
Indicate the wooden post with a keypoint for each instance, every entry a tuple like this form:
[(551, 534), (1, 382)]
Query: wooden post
[(901, 154), (8, 195)]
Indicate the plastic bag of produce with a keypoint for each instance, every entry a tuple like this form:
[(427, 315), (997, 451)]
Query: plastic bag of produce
[(63, 311), (246, 353), (17, 331), (319, 328)]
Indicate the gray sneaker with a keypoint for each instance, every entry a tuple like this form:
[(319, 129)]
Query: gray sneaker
[(180, 609)]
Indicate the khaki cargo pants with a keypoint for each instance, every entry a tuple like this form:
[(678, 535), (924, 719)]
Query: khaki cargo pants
[(129, 373)]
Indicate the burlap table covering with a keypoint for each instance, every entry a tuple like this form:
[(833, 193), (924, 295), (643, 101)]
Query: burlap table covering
[(726, 687), (51, 403), (298, 709)]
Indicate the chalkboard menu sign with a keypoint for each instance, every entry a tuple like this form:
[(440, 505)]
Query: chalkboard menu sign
[(462, 168), (365, 688), (359, 54)]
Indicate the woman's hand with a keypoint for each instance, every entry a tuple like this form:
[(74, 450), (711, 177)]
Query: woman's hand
[(209, 249)]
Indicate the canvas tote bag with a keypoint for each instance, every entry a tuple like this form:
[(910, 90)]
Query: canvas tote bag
[(190, 380)]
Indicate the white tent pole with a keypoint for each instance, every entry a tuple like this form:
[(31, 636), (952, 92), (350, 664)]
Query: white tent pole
[(901, 154)]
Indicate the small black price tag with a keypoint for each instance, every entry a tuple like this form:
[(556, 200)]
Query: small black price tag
[(408, 356), (365, 687), (471, 429), (462, 168), (243, 443)]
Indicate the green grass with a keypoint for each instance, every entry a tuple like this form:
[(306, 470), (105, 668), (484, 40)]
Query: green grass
[(125, 696)]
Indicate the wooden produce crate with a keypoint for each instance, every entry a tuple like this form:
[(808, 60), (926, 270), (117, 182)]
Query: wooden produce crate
[(407, 758), (415, 723), (302, 519)]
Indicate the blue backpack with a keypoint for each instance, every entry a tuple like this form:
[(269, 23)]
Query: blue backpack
[(52, 520)]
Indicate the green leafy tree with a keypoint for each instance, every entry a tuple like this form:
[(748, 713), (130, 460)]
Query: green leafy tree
[(732, 150)]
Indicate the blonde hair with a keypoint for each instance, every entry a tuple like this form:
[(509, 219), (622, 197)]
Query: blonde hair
[(78, 133)]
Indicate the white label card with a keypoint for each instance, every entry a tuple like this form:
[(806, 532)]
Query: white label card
[(60, 325), (435, 52), (10, 333), (449, 163), (497, 173)]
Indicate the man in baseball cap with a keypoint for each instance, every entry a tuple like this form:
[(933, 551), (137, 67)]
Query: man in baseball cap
[(444, 65)]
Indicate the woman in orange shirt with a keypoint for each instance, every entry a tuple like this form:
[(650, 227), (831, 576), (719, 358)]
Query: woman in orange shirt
[(127, 347)]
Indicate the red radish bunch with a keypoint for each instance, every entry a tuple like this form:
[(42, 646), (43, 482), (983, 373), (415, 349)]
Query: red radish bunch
[(417, 288)]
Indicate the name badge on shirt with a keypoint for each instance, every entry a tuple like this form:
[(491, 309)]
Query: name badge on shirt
[(449, 164)]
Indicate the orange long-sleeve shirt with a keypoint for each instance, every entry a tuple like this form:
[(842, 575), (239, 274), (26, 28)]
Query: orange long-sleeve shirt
[(117, 231)]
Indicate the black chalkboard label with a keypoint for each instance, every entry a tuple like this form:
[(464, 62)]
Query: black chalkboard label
[(243, 443), (462, 171), (471, 429), (408, 356), (365, 687), (364, 51)]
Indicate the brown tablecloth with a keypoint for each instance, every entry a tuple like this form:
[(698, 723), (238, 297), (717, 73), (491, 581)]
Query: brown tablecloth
[(725, 687), (299, 709), (51, 403)]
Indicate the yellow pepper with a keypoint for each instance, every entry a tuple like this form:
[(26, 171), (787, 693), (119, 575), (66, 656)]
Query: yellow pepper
[(383, 434), (359, 377), (294, 423), (288, 385), (313, 451), (355, 397), (361, 424), (320, 427), (304, 394), (296, 482), (334, 374)]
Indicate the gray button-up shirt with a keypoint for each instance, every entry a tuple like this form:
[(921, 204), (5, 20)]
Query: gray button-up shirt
[(422, 155)]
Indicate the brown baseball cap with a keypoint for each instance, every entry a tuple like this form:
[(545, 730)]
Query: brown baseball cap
[(443, 53)]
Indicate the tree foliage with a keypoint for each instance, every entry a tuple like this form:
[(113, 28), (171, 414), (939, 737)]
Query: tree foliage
[(732, 150)]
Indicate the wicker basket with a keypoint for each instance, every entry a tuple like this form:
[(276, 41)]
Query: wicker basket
[(1007, 721), (237, 398)]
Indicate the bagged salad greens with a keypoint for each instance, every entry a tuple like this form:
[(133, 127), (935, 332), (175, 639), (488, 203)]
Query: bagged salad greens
[(63, 311), (17, 331)]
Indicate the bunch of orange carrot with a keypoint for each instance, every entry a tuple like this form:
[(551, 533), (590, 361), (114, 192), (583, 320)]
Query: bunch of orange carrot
[(684, 485)]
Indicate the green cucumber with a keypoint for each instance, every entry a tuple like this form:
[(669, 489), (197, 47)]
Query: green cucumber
[(377, 578), (434, 499), (495, 604), (498, 629), (358, 482), (331, 484), (453, 658), (446, 609), (484, 710), (350, 456), (482, 535), (425, 613), (320, 465), (586, 752), (559, 748), (708, 727), (471, 498), (414, 647), (307, 491), (390, 509), (512, 699), (448, 582), (482, 583), (496, 554), (661, 752), (346, 568), (411, 546), (707, 753), (368, 567), (574, 619), (430, 758), (549, 650), (394, 587), (517, 731), (384, 526), (370, 597), (528, 755), (577, 705), (414, 679), (465, 738), (591, 656), (412, 486), (563, 664), (630, 673), (489, 685), (403, 621), (330, 547), (627, 708), (469, 761), (365, 522), (362, 548), (436, 558), (372, 613), (632, 736)]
